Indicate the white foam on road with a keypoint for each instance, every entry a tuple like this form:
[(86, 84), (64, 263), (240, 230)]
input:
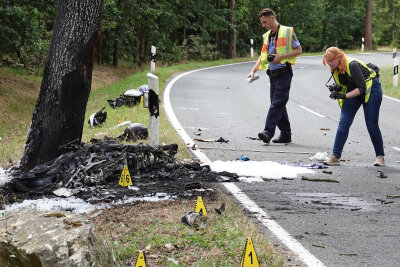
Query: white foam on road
[(265, 169)]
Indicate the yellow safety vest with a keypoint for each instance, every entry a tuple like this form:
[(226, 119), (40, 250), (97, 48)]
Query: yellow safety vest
[(368, 81), (283, 46)]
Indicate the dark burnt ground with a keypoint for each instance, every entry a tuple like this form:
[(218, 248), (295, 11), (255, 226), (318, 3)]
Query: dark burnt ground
[(92, 172)]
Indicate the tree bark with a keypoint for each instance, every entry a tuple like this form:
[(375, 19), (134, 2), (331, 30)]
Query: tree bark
[(232, 31), (59, 112), (368, 26), (115, 52)]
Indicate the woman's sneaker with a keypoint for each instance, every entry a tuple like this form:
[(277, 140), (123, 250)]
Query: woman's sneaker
[(332, 160), (380, 161)]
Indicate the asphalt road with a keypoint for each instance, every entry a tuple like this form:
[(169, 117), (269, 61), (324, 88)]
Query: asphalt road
[(351, 223)]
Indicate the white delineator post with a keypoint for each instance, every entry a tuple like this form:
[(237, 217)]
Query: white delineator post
[(154, 122), (153, 60), (251, 48), (362, 44), (395, 69)]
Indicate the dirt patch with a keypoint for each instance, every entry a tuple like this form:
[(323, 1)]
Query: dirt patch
[(103, 76)]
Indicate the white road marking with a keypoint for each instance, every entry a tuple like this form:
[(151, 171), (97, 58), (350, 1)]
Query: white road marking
[(288, 240), (196, 109), (396, 148), (313, 112), (262, 216), (391, 98)]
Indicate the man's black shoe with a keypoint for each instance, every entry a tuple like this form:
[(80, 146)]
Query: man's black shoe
[(283, 139), (265, 137)]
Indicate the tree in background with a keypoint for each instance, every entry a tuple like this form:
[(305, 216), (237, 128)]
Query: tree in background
[(232, 30), (184, 30), (386, 16), (368, 26), (25, 31), (59, 113)]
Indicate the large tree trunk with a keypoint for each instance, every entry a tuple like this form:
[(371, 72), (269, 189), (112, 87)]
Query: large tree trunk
[(232, 31), (368, 26), (59, 113)]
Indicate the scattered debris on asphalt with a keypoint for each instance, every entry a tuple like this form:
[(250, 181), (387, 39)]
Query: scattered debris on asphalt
[(382, 175), (327, 171), (392, 196), (328, 180), (325, 129), (243, 158), (219, 140), (385, 201), (318, 246), (320, 156)]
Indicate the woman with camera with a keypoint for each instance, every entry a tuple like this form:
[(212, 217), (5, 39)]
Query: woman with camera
[(356, 85)]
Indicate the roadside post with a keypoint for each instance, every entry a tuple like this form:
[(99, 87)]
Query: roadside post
[(362, 44), (395, 69), (153, 60), (251, 48), (152, 102)]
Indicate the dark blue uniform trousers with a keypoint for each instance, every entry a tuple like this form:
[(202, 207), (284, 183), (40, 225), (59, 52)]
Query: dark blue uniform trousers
[(279, 96)]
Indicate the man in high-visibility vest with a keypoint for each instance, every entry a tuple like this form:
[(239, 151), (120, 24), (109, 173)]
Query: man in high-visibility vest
[(279, 52)]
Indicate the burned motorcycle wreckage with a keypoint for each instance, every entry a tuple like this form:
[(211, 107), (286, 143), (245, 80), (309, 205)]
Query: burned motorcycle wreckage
[(92, 171)]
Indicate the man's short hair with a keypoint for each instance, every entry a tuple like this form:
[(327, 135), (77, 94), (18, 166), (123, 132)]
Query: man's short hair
[(266, 12)]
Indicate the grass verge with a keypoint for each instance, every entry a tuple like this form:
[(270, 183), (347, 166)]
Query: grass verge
[(156, 228)]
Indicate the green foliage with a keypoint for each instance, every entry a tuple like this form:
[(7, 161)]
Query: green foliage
[(194, 30), (24, 37)]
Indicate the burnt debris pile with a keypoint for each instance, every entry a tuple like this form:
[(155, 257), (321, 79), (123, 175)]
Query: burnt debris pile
[(93, 171)]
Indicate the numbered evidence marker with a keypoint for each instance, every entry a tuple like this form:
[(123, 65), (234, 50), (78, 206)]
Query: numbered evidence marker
[(141, 259), (200, 208), (249, 257), (125, 178)]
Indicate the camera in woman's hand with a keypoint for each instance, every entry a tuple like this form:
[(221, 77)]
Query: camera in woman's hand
[(335, 88)]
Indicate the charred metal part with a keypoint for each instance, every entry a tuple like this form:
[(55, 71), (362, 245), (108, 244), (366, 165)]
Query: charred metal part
[(92, 171), (98, 118), (134, 132), (221, 209)]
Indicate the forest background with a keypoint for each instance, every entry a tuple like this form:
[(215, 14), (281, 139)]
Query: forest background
[(186, 30)]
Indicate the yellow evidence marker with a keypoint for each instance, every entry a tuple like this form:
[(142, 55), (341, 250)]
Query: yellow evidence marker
[(125, 178), (249, 257), (141, 259), (200, 208)]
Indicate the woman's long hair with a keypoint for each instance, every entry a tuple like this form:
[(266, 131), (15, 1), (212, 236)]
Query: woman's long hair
[(335, 53)]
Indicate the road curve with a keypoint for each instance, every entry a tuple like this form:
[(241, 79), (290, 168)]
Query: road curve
[(351, 223)]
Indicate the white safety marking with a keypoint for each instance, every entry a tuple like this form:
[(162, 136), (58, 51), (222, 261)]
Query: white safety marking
[(221, 113), (391, 98), (262, 216), (313, 112), (274, 227), (396, 148), (196, 109)]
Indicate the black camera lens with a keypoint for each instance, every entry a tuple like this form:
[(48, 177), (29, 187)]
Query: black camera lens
[(270, 57)]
